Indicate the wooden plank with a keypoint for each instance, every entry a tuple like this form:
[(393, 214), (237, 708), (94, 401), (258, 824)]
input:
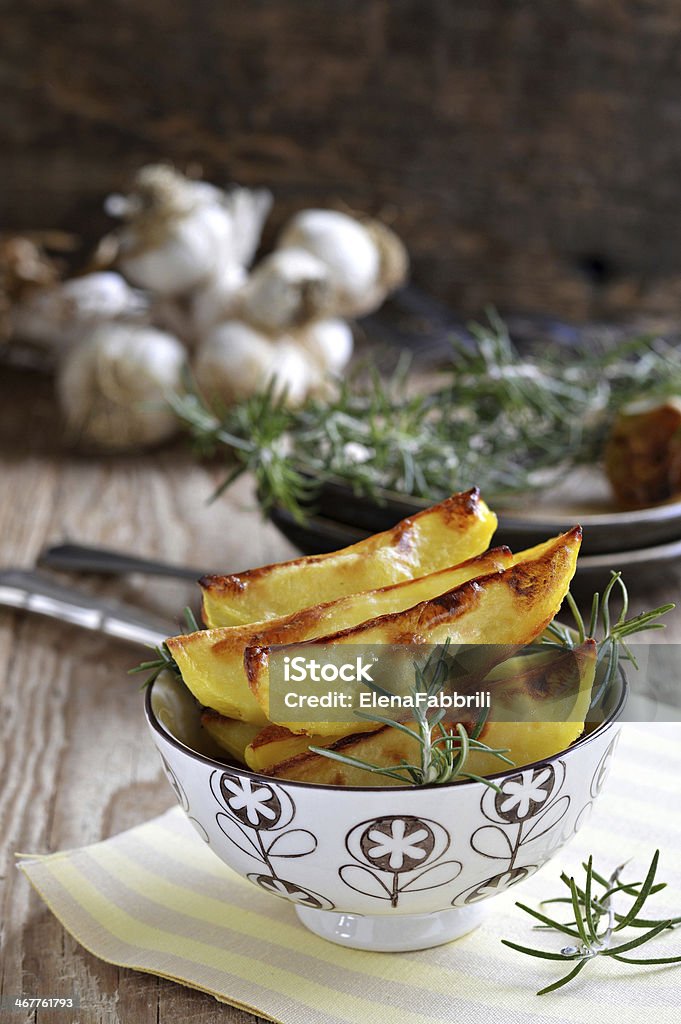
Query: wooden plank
[(75, 758)]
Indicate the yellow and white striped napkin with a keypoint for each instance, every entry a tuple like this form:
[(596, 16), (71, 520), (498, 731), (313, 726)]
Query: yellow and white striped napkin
[(156, 899)]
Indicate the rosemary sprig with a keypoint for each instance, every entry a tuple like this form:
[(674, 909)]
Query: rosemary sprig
[(443, 754), (589, 909), (610, 633), (255, 432), (164, 661), (505, 423)]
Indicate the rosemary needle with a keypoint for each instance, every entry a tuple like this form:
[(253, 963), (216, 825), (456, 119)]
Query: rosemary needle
[(589, 908), (164, 661)]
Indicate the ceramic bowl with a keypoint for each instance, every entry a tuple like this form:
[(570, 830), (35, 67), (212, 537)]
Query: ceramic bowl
[(379, 868)]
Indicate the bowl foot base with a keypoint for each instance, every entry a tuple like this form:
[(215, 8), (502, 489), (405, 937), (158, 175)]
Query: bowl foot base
[(387, 933)]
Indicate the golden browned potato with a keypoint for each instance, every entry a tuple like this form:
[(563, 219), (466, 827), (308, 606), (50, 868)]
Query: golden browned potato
[(441, 536), (384, 747), (254, 747), (274, 743), (643, 453), (229, 733), (554, 685), (212, 661), (511, 607)]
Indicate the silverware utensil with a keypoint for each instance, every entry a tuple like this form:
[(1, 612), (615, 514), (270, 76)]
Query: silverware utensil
[(70, 557), (36, 592)]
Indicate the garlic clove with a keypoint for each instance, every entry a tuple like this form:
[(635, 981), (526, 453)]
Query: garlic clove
[(329, 343), (161, 189), (235, 361), (286, 289), (104, 295), (112, 386)]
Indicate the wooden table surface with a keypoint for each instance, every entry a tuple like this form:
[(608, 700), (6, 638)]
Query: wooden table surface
[(75, 760)]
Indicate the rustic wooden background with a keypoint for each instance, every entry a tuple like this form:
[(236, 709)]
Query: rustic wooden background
[(528, 151)]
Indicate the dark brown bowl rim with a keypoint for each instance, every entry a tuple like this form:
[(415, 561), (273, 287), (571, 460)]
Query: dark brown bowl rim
[(321, 786)]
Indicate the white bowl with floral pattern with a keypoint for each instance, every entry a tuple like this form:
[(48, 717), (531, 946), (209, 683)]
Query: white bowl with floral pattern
[(378, 868)]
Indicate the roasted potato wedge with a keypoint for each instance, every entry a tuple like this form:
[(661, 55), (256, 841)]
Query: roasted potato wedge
[(508, 608), (274, 743), (212, 661), (385, 747), (444, 535), (257, 748), (537, 687), (229, 733)]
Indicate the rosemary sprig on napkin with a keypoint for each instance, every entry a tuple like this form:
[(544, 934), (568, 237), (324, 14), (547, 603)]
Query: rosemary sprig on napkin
[(595, 922)]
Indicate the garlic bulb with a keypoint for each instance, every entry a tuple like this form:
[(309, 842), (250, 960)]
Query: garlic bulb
[(329, 343), (366, 260), (234, 361), (175, 237), (180, 234), (58, 314), (286, 289), (112, 386)]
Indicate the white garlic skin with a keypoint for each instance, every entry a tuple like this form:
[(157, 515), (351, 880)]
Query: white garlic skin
[(346, 248), (366, 260), (112, 386), (248, 209), (294, 374), (286, 289), (235, 361), (58, 314), (329, 343), (181, 253)]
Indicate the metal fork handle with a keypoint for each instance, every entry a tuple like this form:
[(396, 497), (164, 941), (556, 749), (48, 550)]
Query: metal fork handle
[(81, 558), (34, 592)]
